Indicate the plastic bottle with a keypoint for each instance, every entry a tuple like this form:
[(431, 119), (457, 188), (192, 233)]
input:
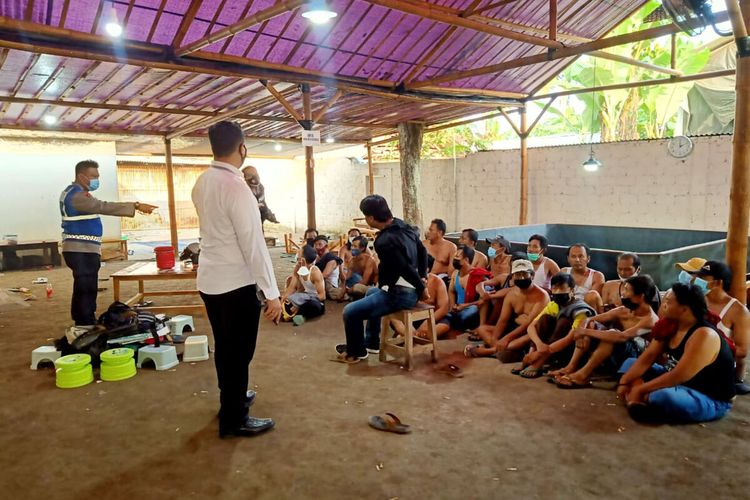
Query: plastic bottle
[(49, 290)]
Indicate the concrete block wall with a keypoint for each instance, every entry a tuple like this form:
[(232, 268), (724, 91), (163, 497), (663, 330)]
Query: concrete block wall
[(640, 184)]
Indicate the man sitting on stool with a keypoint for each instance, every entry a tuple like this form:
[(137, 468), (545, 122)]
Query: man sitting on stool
[(401, 275)]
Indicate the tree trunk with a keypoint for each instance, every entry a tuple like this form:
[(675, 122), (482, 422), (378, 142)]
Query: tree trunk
[(410, 148), (627, 126)]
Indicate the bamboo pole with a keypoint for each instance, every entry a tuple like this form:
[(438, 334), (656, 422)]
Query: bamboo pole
[(427, 11), (523, 216), (560, 53), (279, 8), (309, 161), (630, 85), (371, 183), (739, 196), (282, 100), (322, 111), (539, 117), (170, 197), (635, 62)]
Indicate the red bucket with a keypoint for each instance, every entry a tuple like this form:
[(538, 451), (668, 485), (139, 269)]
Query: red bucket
[(164, 257)]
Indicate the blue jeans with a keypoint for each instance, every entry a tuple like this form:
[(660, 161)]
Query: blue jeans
[(356, 278), (679, 404), (85, 267), (373, 306), (465, 319)]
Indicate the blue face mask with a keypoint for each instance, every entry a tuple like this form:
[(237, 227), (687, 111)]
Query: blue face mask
[(356, 252), (684, 277), (93, 184), (702, 284), (491, 253)]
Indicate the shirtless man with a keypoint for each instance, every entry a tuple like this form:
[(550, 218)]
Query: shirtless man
[(330, 266), (437, 298), (588, 281), (624, 339), (440, 249), (522, 304), (362, 272), (715, 278), (345, 252), (544, 267), (469, 238), (628, 265)]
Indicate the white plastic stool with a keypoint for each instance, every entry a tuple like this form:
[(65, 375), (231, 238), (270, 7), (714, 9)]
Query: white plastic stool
[(164, 356), (44, 353), (178, 324), (196, 348)]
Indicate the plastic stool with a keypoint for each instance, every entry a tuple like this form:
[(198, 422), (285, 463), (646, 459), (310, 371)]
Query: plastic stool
[(178, 324), (164, 356), (44, 353), (117, 364), (196, 348), (73, 371)]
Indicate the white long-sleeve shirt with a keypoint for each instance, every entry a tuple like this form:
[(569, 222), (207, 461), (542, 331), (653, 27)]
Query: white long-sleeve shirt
[(233, 249)]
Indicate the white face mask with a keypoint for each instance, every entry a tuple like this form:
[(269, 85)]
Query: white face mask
[(303, 272)]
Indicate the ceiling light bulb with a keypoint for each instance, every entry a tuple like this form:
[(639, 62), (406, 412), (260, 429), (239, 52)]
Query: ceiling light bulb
[(113, 29), (319, 16), (330, 140), (592, 164), (49, 119), (277, 147)]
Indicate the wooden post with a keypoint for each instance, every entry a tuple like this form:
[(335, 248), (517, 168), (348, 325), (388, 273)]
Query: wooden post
[(309, 160), (553, 19), (170, 198), (410, 149), (371, 183), (739, 196), (524, 208)]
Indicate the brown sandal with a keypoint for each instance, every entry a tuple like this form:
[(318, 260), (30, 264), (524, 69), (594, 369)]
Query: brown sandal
[(390, 423)]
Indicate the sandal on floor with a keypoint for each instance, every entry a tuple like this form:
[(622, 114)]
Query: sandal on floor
[(349, 360), (566, 382), (390, 423), (530, 372), (517, 370), (452, 370)]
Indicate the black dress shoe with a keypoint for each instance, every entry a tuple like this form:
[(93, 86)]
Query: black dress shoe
[(249, 427)]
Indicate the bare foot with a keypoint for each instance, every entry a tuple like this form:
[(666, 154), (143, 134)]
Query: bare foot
[(577, 379), (562, 371)]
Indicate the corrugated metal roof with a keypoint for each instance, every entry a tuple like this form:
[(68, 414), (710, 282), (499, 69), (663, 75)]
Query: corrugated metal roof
[(368, 46)]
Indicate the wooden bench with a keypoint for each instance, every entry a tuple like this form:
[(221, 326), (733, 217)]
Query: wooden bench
[(363, 227), (291, 246), (120, 254), (391, 345)]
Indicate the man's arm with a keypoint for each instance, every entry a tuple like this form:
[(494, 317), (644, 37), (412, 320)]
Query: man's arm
[(552, 268), (320, 285), (643, 363), (367, 275), (245, 217), (442, 301), (330, 267), (598, 282), (395, 255), (452, 290), (85, 203), (522, 328), (421, 260)]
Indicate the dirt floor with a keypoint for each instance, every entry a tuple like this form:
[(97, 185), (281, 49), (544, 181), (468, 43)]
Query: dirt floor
[(487, 435)]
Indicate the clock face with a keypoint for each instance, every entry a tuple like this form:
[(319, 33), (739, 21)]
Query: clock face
[(680, 146)]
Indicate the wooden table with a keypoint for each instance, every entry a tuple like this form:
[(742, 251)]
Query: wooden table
[(147, 271), (49, 249)]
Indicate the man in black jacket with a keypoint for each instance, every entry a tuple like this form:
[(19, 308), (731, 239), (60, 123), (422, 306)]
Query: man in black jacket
[(401, 275)]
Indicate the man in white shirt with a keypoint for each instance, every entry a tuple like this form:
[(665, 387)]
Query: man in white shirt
[(234, 275)]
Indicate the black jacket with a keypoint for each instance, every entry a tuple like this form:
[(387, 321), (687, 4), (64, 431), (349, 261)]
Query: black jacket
[(401, 254)]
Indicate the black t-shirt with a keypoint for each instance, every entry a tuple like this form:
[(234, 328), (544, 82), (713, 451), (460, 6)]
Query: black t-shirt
[(323, 261)]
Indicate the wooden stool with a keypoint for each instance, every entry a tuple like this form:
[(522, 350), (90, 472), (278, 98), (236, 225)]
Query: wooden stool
[(390, 345)]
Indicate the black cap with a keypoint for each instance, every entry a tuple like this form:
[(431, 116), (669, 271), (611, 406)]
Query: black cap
[(717, 270), (500, 240), (321, 238)]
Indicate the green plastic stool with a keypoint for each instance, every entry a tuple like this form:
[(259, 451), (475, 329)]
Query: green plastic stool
[(73, 371), (117, 364)]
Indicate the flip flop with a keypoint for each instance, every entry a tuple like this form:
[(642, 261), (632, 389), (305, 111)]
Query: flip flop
[(518, 370), (566, 382), (530, 372), (470, 351), (390, 423), (452, 370), (349, 360)]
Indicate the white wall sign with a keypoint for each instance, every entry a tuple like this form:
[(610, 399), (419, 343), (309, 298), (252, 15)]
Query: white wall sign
[(310, 137)]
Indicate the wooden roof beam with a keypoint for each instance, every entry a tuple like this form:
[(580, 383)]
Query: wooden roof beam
[(562, 53), (428, 11), (635, 62), (280, 7), (282, 100)]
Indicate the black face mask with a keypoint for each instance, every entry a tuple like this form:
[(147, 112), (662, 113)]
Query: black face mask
[(523, 284), (627, 302), (561, 299), (457, 264), (310, 241)]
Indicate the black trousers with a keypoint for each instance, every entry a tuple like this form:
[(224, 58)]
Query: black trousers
[(234, 318), (85, 267)]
